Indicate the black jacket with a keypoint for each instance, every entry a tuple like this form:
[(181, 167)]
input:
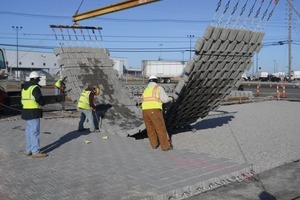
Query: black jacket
[(28, 114)]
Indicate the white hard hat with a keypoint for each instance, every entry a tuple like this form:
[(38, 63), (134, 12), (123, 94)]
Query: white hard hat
[(152, 77), (34, 74)]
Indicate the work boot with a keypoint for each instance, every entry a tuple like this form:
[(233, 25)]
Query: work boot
[(84, 129), (169, 148), (39, 155), (170, 143)]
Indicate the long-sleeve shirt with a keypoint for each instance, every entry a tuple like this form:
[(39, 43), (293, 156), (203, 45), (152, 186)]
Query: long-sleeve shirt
[(162, 94)]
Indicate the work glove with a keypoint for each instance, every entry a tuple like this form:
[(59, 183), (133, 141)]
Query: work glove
[(172, 98)]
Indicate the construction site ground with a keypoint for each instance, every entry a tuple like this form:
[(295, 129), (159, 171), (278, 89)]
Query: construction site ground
[(83, 165)]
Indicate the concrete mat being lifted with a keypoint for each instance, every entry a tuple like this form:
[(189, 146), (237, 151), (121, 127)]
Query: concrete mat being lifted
[(216, 67)]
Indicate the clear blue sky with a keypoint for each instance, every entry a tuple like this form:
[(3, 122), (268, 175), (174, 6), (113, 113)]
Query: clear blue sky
[(161, 26)]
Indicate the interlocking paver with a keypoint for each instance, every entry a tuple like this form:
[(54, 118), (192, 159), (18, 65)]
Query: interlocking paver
[(117, 168)]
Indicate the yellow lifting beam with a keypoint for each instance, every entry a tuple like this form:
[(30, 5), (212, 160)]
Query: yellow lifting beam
[(112, 8)]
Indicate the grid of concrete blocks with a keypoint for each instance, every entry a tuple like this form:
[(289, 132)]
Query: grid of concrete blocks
[(221, 57)]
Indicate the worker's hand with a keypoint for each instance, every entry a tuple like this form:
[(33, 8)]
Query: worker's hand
[(172, 98)]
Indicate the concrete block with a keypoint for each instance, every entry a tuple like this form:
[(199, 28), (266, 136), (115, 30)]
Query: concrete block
[(199, 44), (208, 32), (233, 34)]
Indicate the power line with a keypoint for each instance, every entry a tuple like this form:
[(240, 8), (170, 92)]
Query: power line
[(105, 19)]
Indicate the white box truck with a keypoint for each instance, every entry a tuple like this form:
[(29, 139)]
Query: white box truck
[(261, 76), (166, 71), (295, 75)]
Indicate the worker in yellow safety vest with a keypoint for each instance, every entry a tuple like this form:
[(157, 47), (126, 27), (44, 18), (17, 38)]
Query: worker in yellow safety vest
[(86, 106), (32, 100), (60, 86), (152, 100)]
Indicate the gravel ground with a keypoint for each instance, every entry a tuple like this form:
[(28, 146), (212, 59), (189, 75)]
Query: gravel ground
[(265, 134)]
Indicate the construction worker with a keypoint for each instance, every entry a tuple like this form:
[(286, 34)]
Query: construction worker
[(32, 100), (60, 86), (86, 106), (152, 99)]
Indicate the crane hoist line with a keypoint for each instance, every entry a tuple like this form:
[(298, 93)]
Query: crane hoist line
[(111, 8)]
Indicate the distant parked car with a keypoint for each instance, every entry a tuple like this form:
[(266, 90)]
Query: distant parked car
[(274, 78)]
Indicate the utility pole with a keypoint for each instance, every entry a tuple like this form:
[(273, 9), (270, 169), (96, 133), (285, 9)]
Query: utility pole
[(190, 36), (160, 56), (290, 43), (17, 29)]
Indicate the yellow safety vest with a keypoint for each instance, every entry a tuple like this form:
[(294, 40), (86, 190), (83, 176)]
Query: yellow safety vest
[(58, 83), (84, 101), (151, 98), (28, 100)]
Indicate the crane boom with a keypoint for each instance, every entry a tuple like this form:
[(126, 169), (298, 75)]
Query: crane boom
[(111, 8)]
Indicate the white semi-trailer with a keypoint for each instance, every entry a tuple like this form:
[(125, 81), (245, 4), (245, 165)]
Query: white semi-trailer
[(295, 75), (166, 71)]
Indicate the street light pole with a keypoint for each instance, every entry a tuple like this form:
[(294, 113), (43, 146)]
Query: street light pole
[(190, 36), (160, 57), (17, 29)]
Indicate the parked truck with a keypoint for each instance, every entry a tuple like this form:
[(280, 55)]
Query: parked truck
[(262, 76), (295, 75), (166, 71)]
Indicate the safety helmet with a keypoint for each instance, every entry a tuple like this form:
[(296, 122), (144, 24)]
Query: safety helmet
[(34, 74), (152, 77), (96, 89)]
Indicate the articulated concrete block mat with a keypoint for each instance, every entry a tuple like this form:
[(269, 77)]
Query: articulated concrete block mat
[(93, 67), (83, 165), (221, 58)]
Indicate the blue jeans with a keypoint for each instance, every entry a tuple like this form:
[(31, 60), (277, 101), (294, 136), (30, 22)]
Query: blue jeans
[(86, 114), (33, 136), (57, 91)]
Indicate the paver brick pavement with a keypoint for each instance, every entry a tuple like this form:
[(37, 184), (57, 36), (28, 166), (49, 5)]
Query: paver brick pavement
[(116, 168)]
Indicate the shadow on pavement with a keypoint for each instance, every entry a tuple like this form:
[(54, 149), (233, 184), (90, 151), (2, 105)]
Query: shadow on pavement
[(212, 121), (266, 196), (64, 139)]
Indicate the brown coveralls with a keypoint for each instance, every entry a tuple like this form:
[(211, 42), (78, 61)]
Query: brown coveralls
[(155, 123)]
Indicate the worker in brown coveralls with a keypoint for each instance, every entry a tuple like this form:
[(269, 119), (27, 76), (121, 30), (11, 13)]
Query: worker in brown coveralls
[(152, 99)]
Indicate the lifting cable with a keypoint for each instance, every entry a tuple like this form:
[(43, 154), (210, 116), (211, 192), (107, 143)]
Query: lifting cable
[(232, 13), (79, 7), (84, 30), (217, 9), (264, 15), (242, 12), (271, 13), (250, 13), (257, 13), (224, 12)]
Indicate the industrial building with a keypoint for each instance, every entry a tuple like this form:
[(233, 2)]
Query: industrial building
[(21, 63)]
